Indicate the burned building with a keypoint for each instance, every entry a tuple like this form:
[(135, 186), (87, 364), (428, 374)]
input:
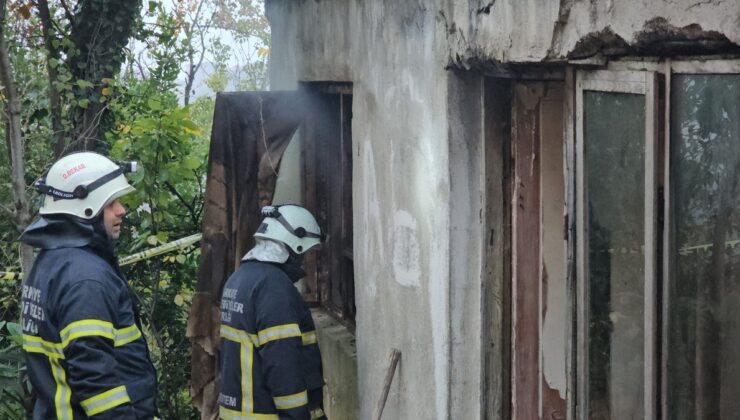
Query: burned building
[(535, 201)]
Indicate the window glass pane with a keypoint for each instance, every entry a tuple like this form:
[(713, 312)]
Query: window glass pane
[(614, 127), (704, 302)]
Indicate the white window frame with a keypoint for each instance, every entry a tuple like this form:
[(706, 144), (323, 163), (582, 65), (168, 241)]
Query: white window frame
[(632, 82), (639, 77)]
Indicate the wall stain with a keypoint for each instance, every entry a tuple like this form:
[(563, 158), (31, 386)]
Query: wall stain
[(657, 38)]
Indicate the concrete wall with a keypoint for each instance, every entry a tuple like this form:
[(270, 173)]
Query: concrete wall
[(521, 31), (401, 183), (339, 355), (418, 185)]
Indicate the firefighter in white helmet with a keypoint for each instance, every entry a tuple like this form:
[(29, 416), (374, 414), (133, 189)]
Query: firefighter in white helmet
[(265, 320), (82, 338)]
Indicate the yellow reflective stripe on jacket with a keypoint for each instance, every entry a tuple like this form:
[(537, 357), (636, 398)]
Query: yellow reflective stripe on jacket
[(246, 363), (105, 401), (97, 328), (237, 335), (267, 335), (34, 344), (247, 342), (286, 402), (127, 335), (63, 394), (278, 332), (227, 414), (87, 328), (308, 338)]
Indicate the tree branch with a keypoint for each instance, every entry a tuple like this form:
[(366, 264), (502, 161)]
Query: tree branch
[(67, 12), (193, 214), (200, 29)]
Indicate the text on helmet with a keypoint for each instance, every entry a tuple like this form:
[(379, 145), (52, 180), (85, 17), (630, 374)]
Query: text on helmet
[(73, 170)]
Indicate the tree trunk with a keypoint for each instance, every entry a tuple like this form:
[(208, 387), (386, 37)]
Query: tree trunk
[(20, 209), (100, 32), (58, 143)]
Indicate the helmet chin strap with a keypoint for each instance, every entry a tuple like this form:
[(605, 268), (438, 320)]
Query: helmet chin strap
[(293, 267)]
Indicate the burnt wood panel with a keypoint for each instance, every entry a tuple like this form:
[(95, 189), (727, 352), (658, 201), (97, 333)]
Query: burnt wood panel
[(497, 285), (247, 128), (310, 165), (526, 256), (348, 276), (329, 196)]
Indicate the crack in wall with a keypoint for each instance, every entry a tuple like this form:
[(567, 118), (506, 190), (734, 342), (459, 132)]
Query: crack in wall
[(559, 28), (702, 3)]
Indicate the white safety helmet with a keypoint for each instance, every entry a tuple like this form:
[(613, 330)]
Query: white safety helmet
[(82, 184), (292, 225)]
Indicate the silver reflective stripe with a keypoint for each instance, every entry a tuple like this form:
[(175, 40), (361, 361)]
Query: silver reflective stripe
[(233, 335), (227, 414), (237, 335), (33, 344), (63, 392), (127, 335), (105, 401), (85, 329), (246, 371), (291, 401), (276, 333)]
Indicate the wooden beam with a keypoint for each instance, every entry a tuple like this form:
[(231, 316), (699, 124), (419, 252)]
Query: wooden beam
[(393, 359)]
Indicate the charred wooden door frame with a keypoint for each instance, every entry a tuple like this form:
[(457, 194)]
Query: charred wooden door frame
[(526, 288), (497, 287), (327, 151), (502, 158), (537, 118), (516, 291)]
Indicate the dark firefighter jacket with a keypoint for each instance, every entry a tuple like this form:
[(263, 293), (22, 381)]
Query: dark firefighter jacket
[(270, 360), (82, 338)]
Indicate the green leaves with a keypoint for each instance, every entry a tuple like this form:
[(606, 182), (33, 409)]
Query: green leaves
[(192, 162), (84, 84), (154, 104), (14, 385), (153, 6), (16, 333)]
